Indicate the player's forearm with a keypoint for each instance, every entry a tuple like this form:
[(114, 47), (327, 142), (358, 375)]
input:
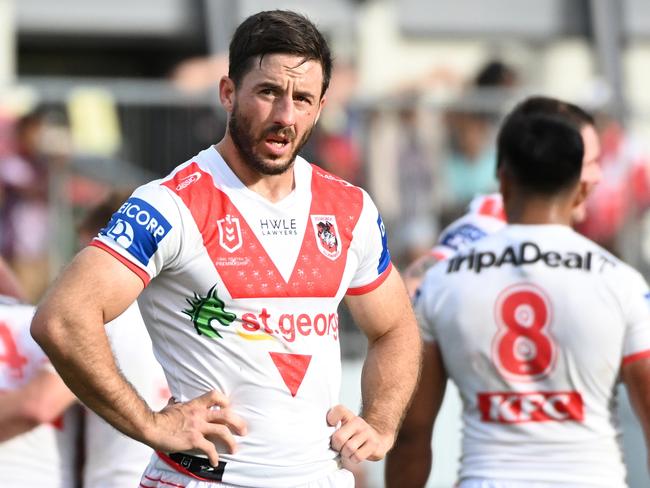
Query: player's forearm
[(81, 354), (408, 464), (389, 377)]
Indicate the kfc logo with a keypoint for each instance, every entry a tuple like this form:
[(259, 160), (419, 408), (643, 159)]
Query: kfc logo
[(514, 408)]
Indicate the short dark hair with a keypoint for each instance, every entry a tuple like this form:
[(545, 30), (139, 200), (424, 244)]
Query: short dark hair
[(273, 32), (542, 152), (552, 106)]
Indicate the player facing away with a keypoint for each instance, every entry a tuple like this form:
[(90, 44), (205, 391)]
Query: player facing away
[(239, 259), (535, 325), (485, 213), (38, 432)]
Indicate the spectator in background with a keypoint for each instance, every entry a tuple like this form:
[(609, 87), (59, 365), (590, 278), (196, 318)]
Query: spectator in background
[(469, 165), (113, 460), (24, 226)]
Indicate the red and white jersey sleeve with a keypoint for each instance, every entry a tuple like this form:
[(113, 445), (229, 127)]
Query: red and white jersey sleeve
[(485, 216), (636, 296), (534, 324), (242, 296), (146, 232), (44, 456), (374, 257)]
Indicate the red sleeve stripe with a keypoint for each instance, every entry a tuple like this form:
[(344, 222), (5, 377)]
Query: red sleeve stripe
[(362, 290), (635, 357), (142, 274), (173, 464)]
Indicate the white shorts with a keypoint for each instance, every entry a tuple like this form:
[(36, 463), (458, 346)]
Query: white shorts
[(160, 475), (492, 483)]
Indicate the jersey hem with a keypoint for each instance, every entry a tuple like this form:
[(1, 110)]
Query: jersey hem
[(635, 357), (362, 290), (140, 273)]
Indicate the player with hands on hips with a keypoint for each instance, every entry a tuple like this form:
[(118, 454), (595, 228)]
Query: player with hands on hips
[(239, 259)]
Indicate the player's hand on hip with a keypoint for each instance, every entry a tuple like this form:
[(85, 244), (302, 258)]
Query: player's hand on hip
[(355, 438), (197, 425)]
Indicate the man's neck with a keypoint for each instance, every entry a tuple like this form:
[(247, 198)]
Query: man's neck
[(272, 187), (538, 210)]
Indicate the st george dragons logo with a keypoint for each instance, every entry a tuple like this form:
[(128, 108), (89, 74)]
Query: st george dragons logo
[(328, 239)]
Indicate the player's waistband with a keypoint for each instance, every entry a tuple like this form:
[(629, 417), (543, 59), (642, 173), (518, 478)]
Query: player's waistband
[(194, 466), (237, 473)]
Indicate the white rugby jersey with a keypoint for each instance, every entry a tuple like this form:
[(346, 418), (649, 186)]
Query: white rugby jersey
[(111, 459), (242, 297), (534, 323), (45, 455), (485, 216)]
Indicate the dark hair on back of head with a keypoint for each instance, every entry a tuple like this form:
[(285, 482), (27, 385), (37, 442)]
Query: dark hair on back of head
[(277, 32), (569, 112), (542, 152)]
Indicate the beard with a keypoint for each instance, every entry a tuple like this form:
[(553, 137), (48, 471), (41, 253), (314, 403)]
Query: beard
[(245, 142)]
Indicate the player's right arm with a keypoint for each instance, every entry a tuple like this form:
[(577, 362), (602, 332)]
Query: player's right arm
[(69, 326), (414, 273), (409, 462)]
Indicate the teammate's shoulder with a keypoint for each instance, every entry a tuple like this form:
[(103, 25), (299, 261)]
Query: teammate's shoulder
[(488, 206)]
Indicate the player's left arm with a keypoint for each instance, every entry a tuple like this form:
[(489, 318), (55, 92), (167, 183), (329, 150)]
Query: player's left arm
[(41, 400), (636, 376), (389, 375), (635, 367)]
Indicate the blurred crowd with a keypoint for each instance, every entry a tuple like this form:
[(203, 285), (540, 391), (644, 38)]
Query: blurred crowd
[(421, 161)]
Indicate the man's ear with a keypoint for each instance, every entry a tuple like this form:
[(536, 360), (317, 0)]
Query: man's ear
[(227, 93), (579, 212)]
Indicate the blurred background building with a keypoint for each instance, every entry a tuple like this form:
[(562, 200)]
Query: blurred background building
[(98, 95)]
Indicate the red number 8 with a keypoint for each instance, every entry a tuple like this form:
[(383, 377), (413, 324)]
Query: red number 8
[(522, 348)]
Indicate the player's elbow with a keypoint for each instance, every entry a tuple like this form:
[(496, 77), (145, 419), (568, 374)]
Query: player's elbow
[(46, 330)]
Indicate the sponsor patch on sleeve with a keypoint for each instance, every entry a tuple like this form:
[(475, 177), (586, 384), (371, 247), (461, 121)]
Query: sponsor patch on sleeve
[(384, 259), (460, 237), (138, 228)]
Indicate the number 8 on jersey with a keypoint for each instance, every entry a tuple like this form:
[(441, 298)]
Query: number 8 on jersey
[(522, 349)]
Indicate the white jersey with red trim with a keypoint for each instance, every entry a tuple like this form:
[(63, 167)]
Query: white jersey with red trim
[(485, 216), (113, 460), (534, 323), (242, 297), (45, 455)]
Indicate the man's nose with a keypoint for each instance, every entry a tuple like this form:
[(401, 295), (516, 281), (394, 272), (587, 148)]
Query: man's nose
[(284, 111)]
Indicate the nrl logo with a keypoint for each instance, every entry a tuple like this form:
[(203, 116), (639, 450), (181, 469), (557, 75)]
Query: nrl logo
[(188, 180), (229, 233), (327, 235), (205, 312)]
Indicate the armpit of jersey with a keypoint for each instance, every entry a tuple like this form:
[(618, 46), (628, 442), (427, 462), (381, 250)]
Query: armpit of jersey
[(138, 228)]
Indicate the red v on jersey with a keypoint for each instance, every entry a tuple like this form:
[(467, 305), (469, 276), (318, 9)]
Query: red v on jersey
[(292, 368), (242, 262)]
